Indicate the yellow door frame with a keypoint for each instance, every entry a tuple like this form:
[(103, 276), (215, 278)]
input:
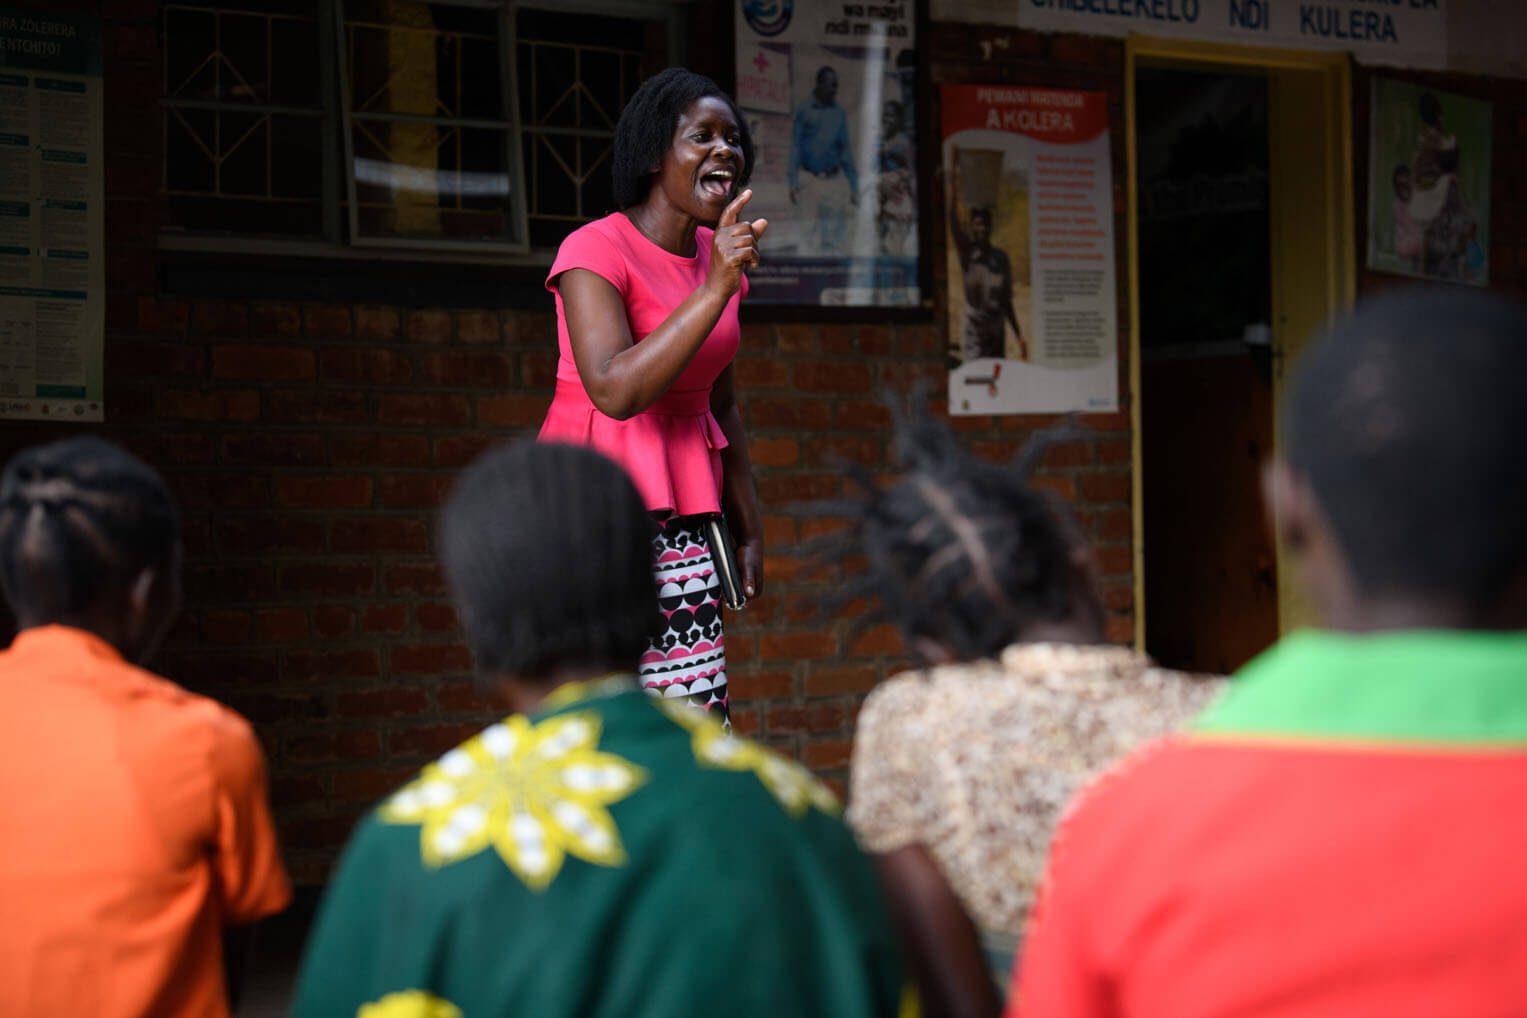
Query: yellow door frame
[(1312, 224)]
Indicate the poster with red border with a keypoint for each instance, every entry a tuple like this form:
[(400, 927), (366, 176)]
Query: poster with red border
[(1033, 313)]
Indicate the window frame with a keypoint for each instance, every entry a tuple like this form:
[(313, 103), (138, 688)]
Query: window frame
[(519, 242), (338, 238)]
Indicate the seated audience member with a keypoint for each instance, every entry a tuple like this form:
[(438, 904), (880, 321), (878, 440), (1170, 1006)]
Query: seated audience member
[(1342, 833), (135, 823), (597, 852), (960, 769)]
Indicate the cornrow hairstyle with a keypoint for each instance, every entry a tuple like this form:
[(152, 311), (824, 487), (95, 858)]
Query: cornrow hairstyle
[(644, 132), (1406, 421), (958, 551), (80, 519), (548, 552)]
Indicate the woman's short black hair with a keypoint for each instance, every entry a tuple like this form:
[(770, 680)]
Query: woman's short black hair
[(548, 551), (644, 132), (79, 520), (959, 551)]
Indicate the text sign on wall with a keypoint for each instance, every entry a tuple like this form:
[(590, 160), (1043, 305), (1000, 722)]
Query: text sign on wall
[(1408, 33), (52, 210)]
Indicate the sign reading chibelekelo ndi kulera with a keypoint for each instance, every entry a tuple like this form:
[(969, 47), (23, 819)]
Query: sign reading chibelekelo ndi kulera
[(52, 190), (1410, 33)]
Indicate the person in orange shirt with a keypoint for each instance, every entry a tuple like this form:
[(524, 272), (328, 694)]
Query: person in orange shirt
[(135, 824)]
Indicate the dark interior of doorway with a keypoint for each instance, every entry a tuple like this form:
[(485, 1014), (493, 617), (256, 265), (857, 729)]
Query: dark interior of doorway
[(1206, 401)]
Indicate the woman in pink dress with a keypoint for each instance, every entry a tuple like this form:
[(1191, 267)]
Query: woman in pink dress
[(647, 329)]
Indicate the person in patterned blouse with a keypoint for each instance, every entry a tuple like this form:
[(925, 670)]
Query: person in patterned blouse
[(597, 852), (961, 768)]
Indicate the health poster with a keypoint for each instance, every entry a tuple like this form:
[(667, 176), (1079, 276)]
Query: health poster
[(828, 91), (52, 187), (1033, 314)]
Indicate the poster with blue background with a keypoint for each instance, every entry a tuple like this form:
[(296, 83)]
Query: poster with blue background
[(828, 90)]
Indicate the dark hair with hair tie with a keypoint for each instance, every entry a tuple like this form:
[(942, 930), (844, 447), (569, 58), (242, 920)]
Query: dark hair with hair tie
[(961, 552), (80, 519), (644, 133), (548, 552)]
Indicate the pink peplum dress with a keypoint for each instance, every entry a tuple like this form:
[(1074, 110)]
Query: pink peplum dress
[(671, 450)]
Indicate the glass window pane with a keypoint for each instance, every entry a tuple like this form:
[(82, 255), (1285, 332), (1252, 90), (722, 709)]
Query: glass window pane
[(236, 160), (296, 153), (295, 76), (190, 161), (427, 123), (246, 151), (429, 181), (189, 50), (577, 71)]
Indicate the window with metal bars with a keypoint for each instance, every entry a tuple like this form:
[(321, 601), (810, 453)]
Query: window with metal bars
[(455, 125)]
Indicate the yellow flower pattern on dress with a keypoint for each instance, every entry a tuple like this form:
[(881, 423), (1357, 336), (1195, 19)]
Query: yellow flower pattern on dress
[(409, 1004), (535, 792), (796, 788)]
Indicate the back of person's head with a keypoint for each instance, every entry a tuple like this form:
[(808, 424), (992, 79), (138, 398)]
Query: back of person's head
[(548, 551), (644, 132), (963, 554), (1406, 422), (80, 523)]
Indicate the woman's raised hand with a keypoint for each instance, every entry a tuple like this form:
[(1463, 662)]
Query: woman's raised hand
[(734, 247)]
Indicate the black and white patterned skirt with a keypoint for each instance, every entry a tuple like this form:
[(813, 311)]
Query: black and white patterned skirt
[(687, 660)]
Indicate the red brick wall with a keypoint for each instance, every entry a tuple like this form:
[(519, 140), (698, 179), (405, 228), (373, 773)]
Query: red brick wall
[(310, 444)]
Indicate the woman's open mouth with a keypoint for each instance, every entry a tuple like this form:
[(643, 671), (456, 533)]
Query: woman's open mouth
[(718, 183)]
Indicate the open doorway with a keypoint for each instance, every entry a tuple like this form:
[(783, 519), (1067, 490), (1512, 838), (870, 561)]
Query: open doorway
[(1205, 364), (1241, 247)]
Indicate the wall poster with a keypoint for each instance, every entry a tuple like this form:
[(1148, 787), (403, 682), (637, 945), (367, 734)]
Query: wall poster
[(828, 89), (52, 250), (1429, 183), (1033, 306)]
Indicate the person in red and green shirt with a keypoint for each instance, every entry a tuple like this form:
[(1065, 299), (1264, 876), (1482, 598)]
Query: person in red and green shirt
[(1343, 832)]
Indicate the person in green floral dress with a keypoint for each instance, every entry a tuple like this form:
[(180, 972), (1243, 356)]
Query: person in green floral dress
[(597, 852)]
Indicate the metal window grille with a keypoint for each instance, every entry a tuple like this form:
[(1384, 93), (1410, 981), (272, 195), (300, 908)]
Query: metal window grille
[(574, 82), (480, 125), (246, 129)]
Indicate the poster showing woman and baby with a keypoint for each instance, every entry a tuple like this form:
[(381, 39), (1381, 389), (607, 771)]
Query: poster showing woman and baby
[(1429, 184)]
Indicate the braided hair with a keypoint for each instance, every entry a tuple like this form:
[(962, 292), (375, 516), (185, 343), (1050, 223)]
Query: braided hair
[(959, 552), (548, 552), (644, 132), (80, 520)]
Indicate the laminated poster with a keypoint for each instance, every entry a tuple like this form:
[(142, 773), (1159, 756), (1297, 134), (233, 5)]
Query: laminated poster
[(1033, 312), (828, 90), (52, 251), (1429, 183)]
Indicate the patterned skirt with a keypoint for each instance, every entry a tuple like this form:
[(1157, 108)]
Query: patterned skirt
[(687, 660)]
